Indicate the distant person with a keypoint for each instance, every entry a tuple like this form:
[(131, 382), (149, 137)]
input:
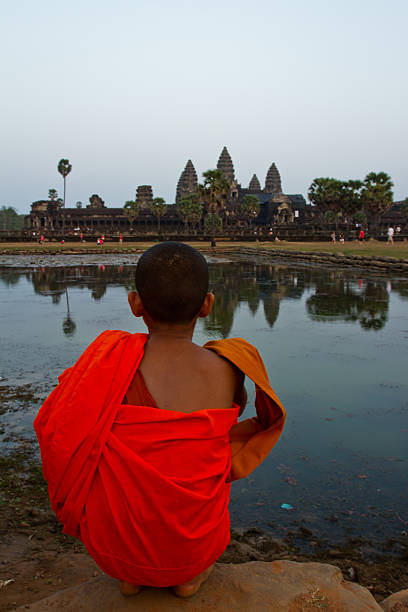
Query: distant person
[(140, 440), (120, 239), (390, 234), (398, 229), (333, 237), (341, 238), (41, 240), (81, 237), (361, 236), (62, 241)]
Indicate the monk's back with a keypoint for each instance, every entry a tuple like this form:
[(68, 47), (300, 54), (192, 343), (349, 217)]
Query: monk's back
[(185, 377)]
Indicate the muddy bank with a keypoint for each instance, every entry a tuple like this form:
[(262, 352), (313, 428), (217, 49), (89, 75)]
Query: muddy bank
[(39, 560), (366, 263)]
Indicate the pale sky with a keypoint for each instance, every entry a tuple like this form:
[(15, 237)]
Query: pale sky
[(129, 90)]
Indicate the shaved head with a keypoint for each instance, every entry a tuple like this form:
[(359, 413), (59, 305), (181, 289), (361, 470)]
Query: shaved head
[(172, 282)]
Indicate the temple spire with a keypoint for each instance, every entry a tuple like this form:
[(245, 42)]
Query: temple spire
[(226, 166), (254, 184), (187, 182), (273, 180)]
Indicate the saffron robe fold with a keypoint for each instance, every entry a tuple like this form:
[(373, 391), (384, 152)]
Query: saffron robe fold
[(145, 489)]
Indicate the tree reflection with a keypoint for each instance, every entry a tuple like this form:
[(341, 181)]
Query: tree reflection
[(338, 299), (337, 295), (68, 324)]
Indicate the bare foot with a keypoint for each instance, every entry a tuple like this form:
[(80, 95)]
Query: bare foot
[(190, 588), (128, 589)]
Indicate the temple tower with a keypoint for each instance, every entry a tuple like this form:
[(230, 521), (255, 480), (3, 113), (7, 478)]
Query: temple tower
[(144, 196), (187, 182), (226, 166), (273, 180), (254, 184)]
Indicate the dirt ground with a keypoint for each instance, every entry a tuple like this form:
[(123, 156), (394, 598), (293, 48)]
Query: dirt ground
[(36, 559)]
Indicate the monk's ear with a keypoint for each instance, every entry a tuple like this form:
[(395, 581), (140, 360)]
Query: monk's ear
[(135, 304), (207, 305)]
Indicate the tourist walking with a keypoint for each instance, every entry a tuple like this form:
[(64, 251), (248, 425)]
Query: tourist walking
[(390, 234), (361, 236), (333, 237)]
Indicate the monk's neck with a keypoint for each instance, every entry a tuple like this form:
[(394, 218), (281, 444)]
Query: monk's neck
[(166, 333)]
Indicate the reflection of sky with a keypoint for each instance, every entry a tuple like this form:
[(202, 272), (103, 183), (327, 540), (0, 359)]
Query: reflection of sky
[(345, 389)]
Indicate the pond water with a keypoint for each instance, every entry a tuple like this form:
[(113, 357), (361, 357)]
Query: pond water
[(335, 346)]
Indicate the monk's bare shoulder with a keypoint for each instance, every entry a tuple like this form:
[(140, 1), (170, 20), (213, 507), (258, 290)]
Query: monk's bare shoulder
[(220, 371)]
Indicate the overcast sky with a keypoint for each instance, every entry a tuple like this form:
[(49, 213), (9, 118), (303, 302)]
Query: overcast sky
[(129, 90)]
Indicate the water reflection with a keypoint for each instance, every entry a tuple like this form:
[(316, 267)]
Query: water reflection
[(341, 300), (68, 325), (331, 295), (343, 451)]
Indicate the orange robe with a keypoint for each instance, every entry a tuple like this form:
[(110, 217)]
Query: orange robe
[(145, 489)]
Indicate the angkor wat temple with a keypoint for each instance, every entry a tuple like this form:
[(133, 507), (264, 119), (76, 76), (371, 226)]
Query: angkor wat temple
[(276, 208)]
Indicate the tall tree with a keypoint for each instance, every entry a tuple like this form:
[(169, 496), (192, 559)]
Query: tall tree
[(158, 208), (377, 195), (10, 219), (131, 208), (250, 206), (213, 192), (79, 204), (64, 168), (213, 223), (327, 195), (190, 209), (52, 195), (351, 199)]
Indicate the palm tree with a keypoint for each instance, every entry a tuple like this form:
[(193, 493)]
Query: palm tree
[(52, 195), (190, 209), (213, 193), (250, 206), (376, 195), (64, 168), (131, 208), (158, 207), (327, 195)]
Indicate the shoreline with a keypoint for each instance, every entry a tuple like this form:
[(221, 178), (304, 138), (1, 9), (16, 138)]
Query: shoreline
[(352, 256), (40, 560)]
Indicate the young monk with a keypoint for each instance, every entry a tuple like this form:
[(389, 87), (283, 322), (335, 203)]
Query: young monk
[(140, 439)]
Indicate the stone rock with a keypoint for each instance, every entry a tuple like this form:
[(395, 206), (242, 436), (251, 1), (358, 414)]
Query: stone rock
[(281, 586), (398, 602)]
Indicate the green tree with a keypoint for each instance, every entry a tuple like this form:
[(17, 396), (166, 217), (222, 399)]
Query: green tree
[(64, 168), (376, 195), (10, 219), (52, 195), (351, 198), (250, 206), (360, 217), (190, 209), (79, 204), (213, 192), (131, 208), (327, 195), (158, 208), (213, 223)]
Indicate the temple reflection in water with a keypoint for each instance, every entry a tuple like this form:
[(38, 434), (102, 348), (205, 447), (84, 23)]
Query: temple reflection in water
[(330, 295)]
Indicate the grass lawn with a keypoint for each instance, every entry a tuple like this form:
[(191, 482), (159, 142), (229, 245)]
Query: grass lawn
[(371, 248)]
